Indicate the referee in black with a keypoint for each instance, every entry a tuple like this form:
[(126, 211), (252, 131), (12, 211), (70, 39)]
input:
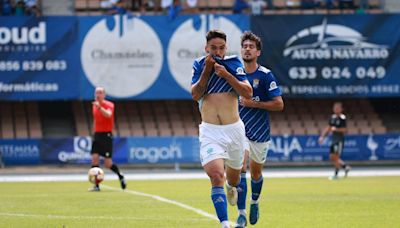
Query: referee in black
[(337, 126)]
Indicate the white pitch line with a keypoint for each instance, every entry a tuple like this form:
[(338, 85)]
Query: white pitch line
[(165, 200), (49, 216), (289, 173)]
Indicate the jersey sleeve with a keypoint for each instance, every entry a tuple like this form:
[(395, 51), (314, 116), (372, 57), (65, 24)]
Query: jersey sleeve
[(110, 106), (272, 87), (236, 69), (343, 122), (196, 72)]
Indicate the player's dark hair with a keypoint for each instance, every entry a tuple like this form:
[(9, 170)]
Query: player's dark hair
[(253, 37), (215, 34)]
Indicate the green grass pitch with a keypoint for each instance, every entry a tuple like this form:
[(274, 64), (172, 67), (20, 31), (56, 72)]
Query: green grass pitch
[(287, 202)]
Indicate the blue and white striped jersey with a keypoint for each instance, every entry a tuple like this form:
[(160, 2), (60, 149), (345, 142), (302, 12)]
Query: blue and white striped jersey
[(217, 84), (256, 120)]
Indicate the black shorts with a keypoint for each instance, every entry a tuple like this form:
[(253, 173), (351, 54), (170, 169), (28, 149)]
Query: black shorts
[(102, 144), (336, 148)]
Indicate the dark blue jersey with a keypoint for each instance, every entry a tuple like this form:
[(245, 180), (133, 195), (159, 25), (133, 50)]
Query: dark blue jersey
[(338, 121), (256, 120), (217, 84)]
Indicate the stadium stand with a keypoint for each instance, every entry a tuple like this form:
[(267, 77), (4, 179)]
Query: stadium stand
[(93, 7), (388, 110), (21, 123), (81, 120), (57, 119), (7, 121), (34, 123), (181, 118)]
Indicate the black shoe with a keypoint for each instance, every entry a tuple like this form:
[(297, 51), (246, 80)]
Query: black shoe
[(254, 213), (241, 222), (123, 182)]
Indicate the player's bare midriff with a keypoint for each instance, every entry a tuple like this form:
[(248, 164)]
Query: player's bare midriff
[(220, 108)]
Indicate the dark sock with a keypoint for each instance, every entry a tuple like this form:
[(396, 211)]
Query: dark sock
[(242, 192), (256, 186), (336, 171), (115, 169)]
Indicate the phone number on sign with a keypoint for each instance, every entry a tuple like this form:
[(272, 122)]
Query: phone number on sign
[(361, 72), (35, 65)]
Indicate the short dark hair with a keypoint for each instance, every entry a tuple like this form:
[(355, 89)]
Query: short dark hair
[(215, 33), (253, 37)]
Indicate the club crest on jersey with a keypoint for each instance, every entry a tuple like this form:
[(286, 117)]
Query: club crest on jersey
[(240, 71), (256, 82)]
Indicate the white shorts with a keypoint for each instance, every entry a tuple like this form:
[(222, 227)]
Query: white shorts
[(222, 141), (257, 150)]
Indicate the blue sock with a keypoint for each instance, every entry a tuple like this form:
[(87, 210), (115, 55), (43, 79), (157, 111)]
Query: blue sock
[(242, 192), (256, 186), (218, 197)]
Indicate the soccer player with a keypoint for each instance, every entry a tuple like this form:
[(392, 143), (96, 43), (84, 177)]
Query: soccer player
[(254, 113), (103, 116), (217, 81), (337, 126)]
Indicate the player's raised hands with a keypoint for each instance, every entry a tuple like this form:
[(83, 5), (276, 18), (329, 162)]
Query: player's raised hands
[(96, 103), (209, 62), (220, 70)]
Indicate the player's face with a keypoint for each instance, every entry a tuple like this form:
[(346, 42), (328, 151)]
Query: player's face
[(337, 108), (249, 51), (99, 94), (216, 47)]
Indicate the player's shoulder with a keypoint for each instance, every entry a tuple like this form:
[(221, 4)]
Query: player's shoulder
[(109, 103), (232, 59), (340, 116), (200, 60), (263, 70), (265, 73), (234, 62), (198, 63)]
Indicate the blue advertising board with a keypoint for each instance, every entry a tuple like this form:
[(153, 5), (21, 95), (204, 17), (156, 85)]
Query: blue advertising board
[(163, 150), (76, 150), (349, 55), (356, 148), (171, 150), (20, 152), (38, 59)]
